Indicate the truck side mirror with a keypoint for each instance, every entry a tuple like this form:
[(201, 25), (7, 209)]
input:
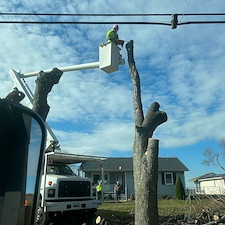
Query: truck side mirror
[(22, 146)]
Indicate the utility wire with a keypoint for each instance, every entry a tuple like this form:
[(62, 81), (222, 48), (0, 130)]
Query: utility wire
[(110, 14), (200, 22), (80, 22), (174, 22), (135, 23), (81, 14)]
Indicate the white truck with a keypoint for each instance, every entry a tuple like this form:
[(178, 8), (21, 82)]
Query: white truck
[(67, 196), (62, 193), (64, 196)]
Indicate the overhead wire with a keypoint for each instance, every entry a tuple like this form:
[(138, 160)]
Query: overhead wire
[(83, 22), (24, 21), (84, 14), (135, 23), (109, 14)]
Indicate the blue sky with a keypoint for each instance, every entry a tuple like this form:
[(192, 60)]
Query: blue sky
[(91, 111)]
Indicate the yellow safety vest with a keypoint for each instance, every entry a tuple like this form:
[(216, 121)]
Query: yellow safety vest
[(99, 188), (112, 35)]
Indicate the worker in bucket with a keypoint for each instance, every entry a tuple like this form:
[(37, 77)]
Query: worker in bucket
[(112, 35)]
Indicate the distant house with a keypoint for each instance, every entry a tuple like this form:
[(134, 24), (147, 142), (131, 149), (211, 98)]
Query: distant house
[(210, 184), (121, 169)]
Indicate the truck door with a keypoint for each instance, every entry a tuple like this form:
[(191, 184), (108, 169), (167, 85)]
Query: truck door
[(22, 138)]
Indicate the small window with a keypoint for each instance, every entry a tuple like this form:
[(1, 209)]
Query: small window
[(98, 178), (168, 177)]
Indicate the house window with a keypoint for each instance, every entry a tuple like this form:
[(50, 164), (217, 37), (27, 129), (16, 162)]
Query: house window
[(168, 177), (98, 178)]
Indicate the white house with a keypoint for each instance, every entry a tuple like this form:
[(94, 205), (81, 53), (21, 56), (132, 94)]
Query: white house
[(121, 169), (210, 184)]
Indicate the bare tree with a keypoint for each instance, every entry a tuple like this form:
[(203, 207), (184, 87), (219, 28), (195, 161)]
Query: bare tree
[(212, 157), (145, 149)]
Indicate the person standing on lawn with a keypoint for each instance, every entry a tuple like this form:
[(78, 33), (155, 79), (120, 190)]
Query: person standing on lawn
[(99, 191), (117, 189)]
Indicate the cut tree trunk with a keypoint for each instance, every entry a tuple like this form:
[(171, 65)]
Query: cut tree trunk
[(145, 177), (145, 159), (44, 84)]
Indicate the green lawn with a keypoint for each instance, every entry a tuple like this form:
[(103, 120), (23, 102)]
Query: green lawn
[(110, 210), (126, 208), (165, 207)]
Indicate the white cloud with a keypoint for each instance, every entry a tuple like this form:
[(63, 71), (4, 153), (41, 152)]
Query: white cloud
[(104, 139), (182, 69)]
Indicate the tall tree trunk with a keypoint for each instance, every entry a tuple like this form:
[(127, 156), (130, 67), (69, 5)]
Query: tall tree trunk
[(44, 84), (145, 159)]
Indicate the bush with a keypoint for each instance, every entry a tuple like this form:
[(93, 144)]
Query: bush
[(132, 197), (179, 190)]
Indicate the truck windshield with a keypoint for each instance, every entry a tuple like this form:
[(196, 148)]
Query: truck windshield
[(60, 169)]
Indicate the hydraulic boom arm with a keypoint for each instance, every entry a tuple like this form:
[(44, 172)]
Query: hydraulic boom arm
[(52, 143)]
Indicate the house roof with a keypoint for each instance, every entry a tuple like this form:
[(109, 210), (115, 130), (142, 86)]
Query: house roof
[(126, 164), (171, 164), (207, 176)]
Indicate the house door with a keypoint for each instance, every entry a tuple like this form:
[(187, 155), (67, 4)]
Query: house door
[(120, 178)]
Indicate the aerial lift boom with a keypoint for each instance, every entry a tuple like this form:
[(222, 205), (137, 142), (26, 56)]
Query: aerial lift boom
[(109, 61), (52, 142)]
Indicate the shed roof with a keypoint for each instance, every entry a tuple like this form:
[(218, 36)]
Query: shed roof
[(207, 176), (126, 164)]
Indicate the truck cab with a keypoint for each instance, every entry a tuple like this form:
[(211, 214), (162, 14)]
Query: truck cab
[(67, 195), (22, 140)]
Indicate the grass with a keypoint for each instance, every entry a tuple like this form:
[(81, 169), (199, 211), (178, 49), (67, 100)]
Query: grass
[(111, 210), (191, 207)]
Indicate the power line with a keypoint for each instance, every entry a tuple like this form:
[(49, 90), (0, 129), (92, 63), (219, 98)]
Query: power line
[(81, 14), (110, 14), (174, 22), (200, 22), (84, 22)]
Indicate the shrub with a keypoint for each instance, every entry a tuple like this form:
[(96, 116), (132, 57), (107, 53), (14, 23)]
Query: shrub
[(179, 189), (131, 197)]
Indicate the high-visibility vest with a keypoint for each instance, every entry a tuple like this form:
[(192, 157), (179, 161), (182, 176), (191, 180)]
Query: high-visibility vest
[(99, 188), (112, 35)]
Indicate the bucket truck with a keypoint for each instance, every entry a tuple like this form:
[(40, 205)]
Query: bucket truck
[(64, 196)]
